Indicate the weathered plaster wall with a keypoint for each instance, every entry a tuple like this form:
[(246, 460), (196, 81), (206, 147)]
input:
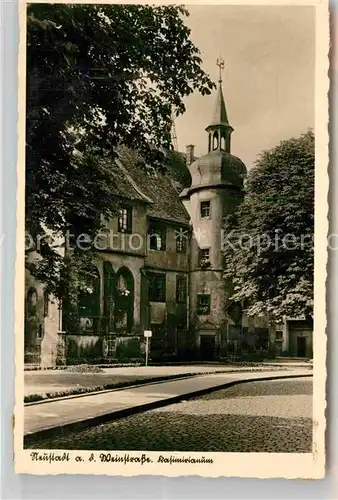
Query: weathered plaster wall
[(40, 335), (136, 241), (51, 338), (170, 259)]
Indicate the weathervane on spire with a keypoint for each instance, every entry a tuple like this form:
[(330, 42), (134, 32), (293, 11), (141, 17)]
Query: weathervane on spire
[(221, 64)]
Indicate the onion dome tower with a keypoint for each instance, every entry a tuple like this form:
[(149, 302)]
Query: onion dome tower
[(216, 189)]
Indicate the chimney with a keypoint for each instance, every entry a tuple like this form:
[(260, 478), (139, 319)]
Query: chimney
[(189, 156)]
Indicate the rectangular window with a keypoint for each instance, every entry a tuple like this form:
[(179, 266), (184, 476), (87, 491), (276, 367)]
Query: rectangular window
[(156, 236), (40, 331), (104, 222), (156, 290), (204, 257), (181, 240), (125, 220), (205, 209), (203, 303), (279, 335), (181, 288)]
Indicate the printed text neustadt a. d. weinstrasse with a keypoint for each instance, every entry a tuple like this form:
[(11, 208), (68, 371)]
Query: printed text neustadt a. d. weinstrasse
[(126, 458)]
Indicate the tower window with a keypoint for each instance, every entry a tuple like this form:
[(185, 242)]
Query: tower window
[(156, 236), (203, 303), (205, 209), (215, 140), (125, 220), (223, 143), (156, 290), (204, 257), (181, 287)]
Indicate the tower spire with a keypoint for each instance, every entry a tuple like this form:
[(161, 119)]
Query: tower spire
[(220, 113), (221, 64), (219, 129)]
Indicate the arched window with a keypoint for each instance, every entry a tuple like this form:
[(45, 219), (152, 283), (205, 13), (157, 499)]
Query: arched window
[(32, 299), (124, 300), (89, 299), (223, 143), (209, 143), (215, 140)]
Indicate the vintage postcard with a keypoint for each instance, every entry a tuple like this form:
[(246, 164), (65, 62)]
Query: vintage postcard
[(172, 233)]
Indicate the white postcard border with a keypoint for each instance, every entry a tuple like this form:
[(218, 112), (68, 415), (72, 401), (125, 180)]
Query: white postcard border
[(260, 465)]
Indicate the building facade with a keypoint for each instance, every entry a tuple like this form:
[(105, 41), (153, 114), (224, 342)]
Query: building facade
[(159, 267)]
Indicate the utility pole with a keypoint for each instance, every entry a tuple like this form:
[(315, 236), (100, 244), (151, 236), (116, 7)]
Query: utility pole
[(147, 334)]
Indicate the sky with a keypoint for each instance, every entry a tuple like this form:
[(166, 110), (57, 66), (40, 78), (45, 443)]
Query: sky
[(268, 82)]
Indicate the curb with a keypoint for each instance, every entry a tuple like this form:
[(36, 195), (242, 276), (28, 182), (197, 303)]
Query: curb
[(142, 383), (61, 430), (298, 363), (113, 389)]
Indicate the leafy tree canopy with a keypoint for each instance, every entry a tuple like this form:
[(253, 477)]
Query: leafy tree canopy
[(97, 76), (268, 245)]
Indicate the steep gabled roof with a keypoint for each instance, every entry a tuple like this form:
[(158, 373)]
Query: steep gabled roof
[(159, 190), (124, 186)]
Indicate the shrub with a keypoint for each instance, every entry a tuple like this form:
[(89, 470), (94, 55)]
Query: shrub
[(85, 368)]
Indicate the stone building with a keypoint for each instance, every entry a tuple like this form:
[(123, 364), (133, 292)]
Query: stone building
[(159, 267)]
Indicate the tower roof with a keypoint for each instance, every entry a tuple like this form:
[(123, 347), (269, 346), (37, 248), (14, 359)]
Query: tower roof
[(217, 168), (219, 116)]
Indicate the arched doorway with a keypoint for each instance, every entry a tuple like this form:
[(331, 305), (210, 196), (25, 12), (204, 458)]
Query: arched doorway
[(124, 300), (33, 330), (89, 299)]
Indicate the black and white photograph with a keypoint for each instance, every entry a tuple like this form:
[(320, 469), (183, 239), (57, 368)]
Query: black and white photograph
[(171, 259)]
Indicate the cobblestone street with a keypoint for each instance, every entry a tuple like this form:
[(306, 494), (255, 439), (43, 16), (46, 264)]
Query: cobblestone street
[(266, 416)]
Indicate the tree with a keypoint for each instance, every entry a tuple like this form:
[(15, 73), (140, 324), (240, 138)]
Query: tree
[(97, 76), (268, 246)]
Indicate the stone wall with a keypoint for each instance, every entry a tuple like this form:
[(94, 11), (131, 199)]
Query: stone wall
[(208, 282), (96, 349)]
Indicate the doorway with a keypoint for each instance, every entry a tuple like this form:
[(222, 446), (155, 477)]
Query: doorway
[(301, 347), (207, 347)]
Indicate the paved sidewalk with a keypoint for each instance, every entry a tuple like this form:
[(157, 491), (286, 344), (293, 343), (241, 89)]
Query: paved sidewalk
[(97, 408), (53, 381)]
